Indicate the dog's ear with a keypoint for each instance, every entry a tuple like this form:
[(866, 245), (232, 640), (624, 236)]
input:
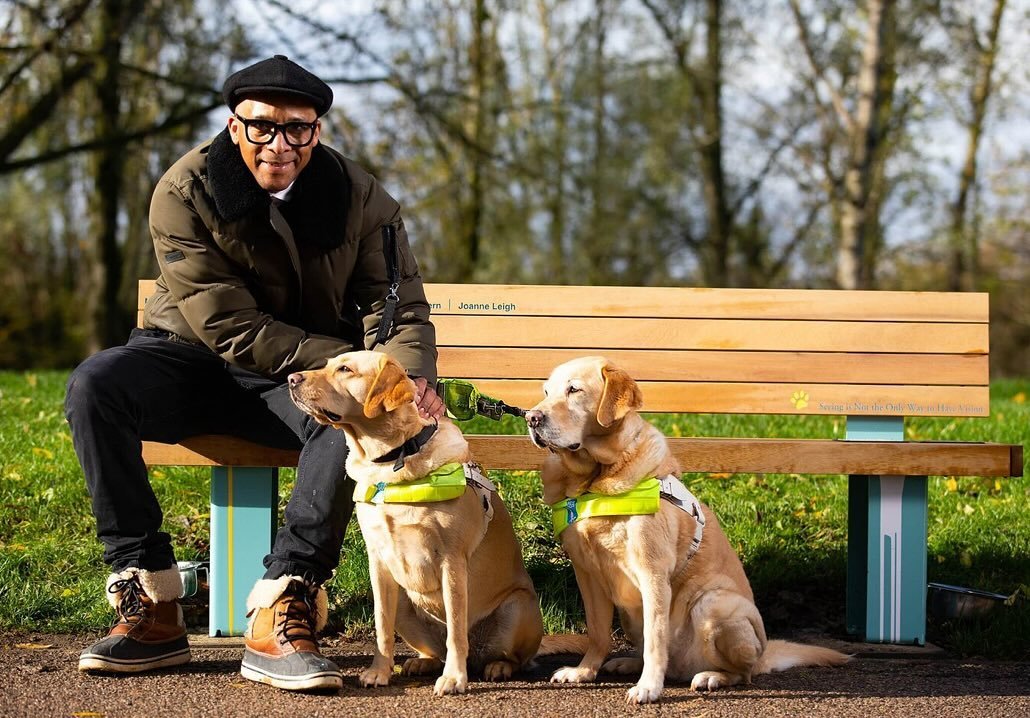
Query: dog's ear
[(390, 389), (621, 395)]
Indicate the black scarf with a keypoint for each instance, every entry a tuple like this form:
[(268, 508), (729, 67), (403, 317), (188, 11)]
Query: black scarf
[(319, 202)]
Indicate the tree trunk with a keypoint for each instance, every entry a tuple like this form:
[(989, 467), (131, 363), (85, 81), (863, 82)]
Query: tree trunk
[(558, 262), (709, 89), (600, 242), (964, 241), (109, 320), (864, 139)]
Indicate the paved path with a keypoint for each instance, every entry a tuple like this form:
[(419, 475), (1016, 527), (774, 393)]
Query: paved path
[(41, 682)]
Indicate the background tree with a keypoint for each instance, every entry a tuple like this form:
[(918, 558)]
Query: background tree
[(98, 91), (808, 143)]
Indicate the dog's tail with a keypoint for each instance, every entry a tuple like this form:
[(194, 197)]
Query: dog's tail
[(781, 655), (563, 643)]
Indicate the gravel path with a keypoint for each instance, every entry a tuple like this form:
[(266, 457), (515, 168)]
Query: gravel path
[(41, 680)]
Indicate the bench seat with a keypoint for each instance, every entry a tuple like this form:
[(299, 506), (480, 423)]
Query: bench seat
[(869, 356), (696, 455)]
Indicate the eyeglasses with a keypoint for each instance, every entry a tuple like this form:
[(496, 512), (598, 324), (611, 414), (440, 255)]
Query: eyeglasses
[(263, 132)]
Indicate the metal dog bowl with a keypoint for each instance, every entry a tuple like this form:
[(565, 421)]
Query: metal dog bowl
[(946, 601)]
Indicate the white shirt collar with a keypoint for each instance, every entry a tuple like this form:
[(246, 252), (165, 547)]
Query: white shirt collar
[(282, 195)]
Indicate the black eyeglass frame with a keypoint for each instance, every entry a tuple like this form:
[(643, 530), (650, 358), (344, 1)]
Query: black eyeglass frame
[(278, 128)]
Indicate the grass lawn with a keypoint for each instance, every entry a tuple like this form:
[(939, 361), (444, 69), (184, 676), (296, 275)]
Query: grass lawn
[(790, 531)]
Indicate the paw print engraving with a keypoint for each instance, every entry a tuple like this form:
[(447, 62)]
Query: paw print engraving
[(799, 399)]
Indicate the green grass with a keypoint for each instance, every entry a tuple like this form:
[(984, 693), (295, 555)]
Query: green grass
[(790, 531)]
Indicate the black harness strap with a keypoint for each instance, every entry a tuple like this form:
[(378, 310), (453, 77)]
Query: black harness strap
[(390, 308)]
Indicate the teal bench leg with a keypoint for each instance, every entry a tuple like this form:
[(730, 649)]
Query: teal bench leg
[(887, 519), (244, 502)]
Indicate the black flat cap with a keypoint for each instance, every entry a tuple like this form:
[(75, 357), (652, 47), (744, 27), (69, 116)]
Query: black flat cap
[(281, 76)]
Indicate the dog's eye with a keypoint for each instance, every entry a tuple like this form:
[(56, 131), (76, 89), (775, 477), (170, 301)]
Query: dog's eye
[(343, 369), (574, 390)]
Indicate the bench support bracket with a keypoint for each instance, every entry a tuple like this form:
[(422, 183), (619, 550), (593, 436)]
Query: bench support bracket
[(887, 523), (244, 500)]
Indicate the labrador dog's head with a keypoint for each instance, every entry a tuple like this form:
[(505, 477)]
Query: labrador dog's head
[(352, 386), (583, 398)]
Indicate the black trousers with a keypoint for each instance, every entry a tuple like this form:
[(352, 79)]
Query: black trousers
[(154, 388)]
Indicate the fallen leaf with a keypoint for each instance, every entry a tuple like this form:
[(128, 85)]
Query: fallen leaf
[(87, 714), (46, 453), (1020, 398), (33, 646), (32, 380), (951, 485)]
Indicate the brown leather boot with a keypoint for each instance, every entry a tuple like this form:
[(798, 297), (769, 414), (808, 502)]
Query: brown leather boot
[(150, 632), (281, 650)]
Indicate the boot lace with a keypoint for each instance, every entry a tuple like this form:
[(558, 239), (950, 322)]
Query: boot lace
[(298, 620), (130, 598)]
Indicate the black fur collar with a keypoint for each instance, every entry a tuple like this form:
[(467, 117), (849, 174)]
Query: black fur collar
[(319, 202)]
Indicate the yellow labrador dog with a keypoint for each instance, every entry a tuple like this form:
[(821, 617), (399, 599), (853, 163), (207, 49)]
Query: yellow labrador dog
[(665, 563), (447, 573)]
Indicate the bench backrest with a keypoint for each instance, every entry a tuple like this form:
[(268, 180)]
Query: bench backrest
[(751, 351)]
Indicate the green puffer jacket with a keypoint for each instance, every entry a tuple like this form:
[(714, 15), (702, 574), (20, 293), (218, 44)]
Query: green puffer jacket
[(273, 305)]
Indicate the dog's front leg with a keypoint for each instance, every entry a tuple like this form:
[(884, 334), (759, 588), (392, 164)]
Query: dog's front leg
[(384, 597), (599, 613), (656, 595), (455, 602)]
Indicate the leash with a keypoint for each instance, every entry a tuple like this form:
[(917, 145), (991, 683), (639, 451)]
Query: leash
[(464, 401)]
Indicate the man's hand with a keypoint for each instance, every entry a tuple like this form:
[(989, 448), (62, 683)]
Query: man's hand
[(429, 404)]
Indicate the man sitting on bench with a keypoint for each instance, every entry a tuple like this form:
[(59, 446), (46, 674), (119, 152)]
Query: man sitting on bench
[(276, 253)]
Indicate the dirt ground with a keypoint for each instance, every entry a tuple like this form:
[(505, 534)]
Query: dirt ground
[(41, 679)]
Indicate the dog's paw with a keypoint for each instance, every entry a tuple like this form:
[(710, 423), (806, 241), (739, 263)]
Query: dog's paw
[(449, 684), (625, 666), (373, 677), (421, 666), (498, 671), (712, 680), (574, 674), (641, 693)]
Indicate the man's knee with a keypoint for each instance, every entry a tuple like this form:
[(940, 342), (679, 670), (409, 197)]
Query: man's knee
[(92, 385)]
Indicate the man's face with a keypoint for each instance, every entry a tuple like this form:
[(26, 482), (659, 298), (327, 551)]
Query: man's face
[(275, 165)]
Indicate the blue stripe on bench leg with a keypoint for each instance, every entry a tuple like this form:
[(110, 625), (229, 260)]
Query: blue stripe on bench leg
[(886, 598), (244, 502)]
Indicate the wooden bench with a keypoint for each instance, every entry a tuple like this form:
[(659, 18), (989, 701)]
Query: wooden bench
[(872, 357)]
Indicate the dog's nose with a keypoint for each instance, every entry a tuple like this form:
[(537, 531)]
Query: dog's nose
[(295, 379), (534, 418)]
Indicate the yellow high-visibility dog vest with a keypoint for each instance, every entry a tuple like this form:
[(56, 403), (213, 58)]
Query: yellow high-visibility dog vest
[(643, 498), (443, 484)]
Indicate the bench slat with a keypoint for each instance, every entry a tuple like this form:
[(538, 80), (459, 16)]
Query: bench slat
[(704, 303), (592, 335), (701, 303), (724, 455), (736, 398), (731, 366)]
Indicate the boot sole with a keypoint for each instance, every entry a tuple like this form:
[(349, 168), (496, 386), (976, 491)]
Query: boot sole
[(95, 662), (318, 681)]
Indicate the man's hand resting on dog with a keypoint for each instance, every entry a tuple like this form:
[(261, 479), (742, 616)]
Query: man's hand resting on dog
[(430, 405)]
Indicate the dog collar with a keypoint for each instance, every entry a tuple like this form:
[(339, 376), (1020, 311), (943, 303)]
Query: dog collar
[(409, 448), (443, 484), (642, 499)]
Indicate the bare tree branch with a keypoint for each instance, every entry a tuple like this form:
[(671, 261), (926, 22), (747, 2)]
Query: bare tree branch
[(818, 71), (170, 123)]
